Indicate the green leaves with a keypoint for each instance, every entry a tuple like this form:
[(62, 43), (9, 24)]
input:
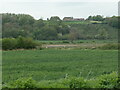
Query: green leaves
[(103, 81), (19, 43), (23, 83), (9, 43)]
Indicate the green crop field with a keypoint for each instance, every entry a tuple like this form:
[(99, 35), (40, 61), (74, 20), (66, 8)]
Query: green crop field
[(51, 64)]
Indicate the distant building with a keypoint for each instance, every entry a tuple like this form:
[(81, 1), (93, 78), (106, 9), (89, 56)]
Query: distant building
[(78, 19), (68, 19), (72, 19)]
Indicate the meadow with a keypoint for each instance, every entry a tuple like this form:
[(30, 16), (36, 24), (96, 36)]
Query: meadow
[(54, 64)]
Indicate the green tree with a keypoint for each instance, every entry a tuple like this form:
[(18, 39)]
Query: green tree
[(113, 21), (73, 35), (102, 34), (96, 18)]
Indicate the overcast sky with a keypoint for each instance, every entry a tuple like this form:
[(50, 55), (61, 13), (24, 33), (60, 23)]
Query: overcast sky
[(62, 8)]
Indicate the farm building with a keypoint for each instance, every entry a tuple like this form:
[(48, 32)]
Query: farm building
[(78, 19), (72, 19)]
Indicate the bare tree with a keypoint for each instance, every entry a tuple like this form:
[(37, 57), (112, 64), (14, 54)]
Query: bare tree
[(74, 35)]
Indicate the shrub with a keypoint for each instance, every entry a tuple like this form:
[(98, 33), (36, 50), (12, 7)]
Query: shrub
[(77, 82), (9, 43), (22, 83), (81, 42), (103, 81), (26, 43), (18, 43), (110, 46), (52, 84), (65, 41), (50, 42), (108, 80)]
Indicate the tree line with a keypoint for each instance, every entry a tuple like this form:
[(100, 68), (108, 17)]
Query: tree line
[(16, 25)]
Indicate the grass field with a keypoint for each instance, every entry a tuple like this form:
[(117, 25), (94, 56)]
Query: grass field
[(51, 64)]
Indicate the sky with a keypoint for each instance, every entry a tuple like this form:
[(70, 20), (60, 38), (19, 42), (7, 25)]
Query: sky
[(62, 8)]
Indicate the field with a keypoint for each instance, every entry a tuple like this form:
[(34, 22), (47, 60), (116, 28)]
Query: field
[(52, 64)]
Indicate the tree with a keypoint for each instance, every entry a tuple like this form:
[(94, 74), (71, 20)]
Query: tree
[(73, 35), (55, 18), (96, 18), (113, 21), (46, 33), (55, 21), (39, 23), (25, 19), (102, 34)]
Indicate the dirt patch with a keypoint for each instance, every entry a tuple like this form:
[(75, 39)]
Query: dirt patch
[(72, 45)]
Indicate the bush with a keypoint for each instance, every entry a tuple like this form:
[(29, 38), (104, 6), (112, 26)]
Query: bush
[(75, 82), (65, 41), (103, 81), (26, 43), (9, 43), (108, 80), (18, 43), (110, 46), (22, 83), (81, 42)]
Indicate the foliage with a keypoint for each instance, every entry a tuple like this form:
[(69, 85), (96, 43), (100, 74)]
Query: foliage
[(74, 82), (26, 43), (9, 43), (110, 46), (96, 18), (74, 34), (95, 31), (22, 83), (108, 80), (103, 34), (18, 43), (15, 25), (113, 21), (66, 41), (103, 81)]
